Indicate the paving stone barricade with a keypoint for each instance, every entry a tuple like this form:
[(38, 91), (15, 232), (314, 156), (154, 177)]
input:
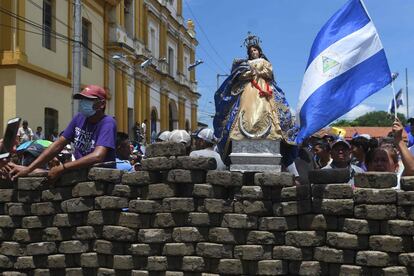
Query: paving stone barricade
[(180, 217)]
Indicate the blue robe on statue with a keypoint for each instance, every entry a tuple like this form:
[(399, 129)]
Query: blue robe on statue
[(227, 102)]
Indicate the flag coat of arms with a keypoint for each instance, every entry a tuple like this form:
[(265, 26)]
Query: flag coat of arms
[(398, 99), (347, 64)]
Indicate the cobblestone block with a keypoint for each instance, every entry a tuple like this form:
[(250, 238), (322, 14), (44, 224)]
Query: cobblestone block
[(198, 219), (16, 209), (12, 249), (292, 253), (118, 233), (110, 202), (272, 267), (352, 270), (196, 163), (24, 262), (89, 259), (345, 241), (278, 223), (141, 249), (157, 263), (186, 176), (164, 220), (331, 255), (85, 233), (214, 250), (178, 249), (31, 183), (375, 212), (310, 268), (255, 207), (399, 227), (282, 179), (41, 248), (105, 175), (153, 236), (160, 191), (222, 235), (406, 259), (165, 149), (376, 180), (329, 176), (389, 243), (72, 177), (56, 194), (7, 222), (338, 207), (406, 198), (317, 222), (32, 222), (187, 234), (407, 183), (89, 188), (193, 264), (218, 205), (145, 206), (78, 204), (261, 237), (139, 178), (108, 247), (332, 191), (103, 272), (405, 212), (178, 205), (225, 178), (360, 226), (295, 193), (370, 196), (158, 163), (73, 247), (5, 262), (121, 191), (395, 271), (43, 209), (7, 195), (251, 252), (132, 220), (238, 221), (230, 267), (304, 238), (372, 258), (291, 208), (123, 262), (56, 261), (203, 190), (251, 192), (21, 235)]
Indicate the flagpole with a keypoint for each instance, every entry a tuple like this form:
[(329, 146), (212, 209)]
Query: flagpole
[(406, 91), (395, 99)]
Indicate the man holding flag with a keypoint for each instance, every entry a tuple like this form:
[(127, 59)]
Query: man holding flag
[(347, 64)]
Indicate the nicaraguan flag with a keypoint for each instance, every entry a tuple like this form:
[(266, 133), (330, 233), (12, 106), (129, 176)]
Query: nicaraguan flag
[(399, 99), (347, 64)]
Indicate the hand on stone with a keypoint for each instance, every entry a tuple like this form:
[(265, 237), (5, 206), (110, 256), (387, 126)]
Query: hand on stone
[(55, 173)]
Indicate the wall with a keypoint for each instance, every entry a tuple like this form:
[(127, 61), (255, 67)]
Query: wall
[(178, 218)]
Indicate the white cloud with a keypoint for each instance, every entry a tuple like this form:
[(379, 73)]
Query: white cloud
[(358, 111)]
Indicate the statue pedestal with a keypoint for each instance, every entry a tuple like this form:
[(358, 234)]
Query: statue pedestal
[(255, 155)]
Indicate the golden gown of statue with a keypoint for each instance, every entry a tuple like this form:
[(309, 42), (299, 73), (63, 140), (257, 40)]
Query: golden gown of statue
[(256, 112)]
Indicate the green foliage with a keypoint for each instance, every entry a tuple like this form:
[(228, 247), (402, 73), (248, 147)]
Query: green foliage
[(375, 118)]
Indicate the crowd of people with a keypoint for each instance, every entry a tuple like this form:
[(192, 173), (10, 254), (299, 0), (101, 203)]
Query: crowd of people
[(91, 138)]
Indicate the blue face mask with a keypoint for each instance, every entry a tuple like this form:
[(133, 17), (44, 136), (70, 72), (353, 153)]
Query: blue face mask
[(86, 108)]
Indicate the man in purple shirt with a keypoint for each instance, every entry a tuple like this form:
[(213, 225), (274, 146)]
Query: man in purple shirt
[(92, 132)]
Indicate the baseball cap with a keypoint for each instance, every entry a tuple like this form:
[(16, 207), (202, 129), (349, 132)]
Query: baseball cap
[(341, 141), (180, 136), (91, 92), (207, 135), (164, 135)]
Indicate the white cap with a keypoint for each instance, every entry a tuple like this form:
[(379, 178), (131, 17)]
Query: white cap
[(164, 136), (180, 136), (207, 135)]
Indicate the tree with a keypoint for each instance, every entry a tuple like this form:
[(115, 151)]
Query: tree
[(375, 118)]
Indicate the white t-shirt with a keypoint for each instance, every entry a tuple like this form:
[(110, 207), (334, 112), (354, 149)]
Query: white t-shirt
[(25, 134), (209, 152)]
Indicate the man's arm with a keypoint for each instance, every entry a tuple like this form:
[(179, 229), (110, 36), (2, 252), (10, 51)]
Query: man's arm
[(97, 156), (45, 157), (406, 156)]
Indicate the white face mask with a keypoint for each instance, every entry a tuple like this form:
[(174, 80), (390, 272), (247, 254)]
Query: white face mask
[(86, 108)]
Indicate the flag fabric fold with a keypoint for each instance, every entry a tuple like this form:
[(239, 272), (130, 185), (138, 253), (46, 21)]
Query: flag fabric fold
[(346, 65)]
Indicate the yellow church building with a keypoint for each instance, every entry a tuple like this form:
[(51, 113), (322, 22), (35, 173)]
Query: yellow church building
[(121, 36)]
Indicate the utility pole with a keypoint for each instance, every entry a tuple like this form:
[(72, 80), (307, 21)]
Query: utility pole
[(76, 51), (406, 92)]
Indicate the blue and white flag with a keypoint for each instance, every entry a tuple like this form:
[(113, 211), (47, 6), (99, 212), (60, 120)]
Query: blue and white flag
[(399, 99), (347, 64)]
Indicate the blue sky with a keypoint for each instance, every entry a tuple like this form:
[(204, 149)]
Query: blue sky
[(287, 29)]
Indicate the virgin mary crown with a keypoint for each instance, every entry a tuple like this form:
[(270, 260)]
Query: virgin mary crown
[(251, 40)]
